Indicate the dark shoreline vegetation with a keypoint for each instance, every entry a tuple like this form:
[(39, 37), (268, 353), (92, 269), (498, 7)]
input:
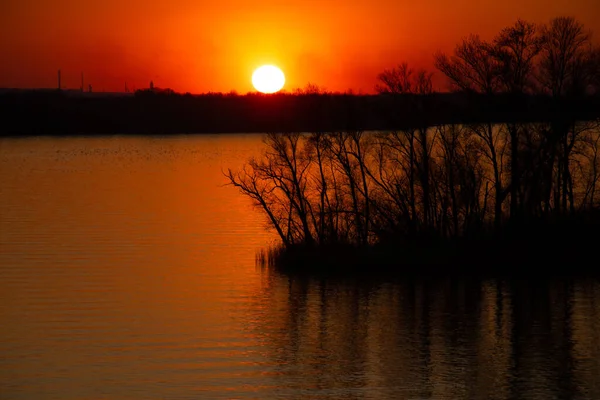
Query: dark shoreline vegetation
[(555, 248), (489, 196), (545, 236)]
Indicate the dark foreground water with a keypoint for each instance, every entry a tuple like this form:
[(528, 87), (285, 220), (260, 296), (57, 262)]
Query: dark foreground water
[(127, 271)]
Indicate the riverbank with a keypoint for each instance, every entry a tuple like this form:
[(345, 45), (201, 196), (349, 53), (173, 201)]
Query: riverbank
[(563, 247)]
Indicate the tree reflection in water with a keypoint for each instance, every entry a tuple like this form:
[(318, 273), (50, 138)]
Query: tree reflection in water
[(430, 339)]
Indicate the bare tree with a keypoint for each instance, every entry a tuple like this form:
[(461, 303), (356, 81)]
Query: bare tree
[(588, 161), (515, 49), (397, 80), (564, 45), (471, 68), (565, 70), (250, 183), (403, 80), (278, 183), (474, 68)]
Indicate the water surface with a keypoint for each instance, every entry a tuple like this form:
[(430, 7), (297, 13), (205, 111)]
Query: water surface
[(127, 271)]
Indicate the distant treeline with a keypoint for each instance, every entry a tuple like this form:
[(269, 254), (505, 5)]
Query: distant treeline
[(150, 112)]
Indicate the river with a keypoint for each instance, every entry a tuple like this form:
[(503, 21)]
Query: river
[(127, 271)]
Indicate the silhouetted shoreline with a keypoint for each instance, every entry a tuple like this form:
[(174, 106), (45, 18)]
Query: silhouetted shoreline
[(56, 112), (539, 249)]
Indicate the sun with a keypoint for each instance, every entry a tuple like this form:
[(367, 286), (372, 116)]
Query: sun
[(268, 79)]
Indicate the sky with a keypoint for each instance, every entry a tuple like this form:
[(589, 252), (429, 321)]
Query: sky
[(201, 46)]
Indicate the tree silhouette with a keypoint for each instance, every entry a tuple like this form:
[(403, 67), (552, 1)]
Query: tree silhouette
[(471, 68), (429, 181)]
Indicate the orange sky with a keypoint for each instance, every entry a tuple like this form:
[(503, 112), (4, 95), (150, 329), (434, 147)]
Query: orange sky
[(200, 46)]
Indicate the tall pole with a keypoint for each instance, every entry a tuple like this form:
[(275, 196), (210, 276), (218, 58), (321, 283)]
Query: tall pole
[(82, 82), (59, 79)]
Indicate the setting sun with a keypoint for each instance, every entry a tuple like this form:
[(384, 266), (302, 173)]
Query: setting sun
[(268, 79)]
